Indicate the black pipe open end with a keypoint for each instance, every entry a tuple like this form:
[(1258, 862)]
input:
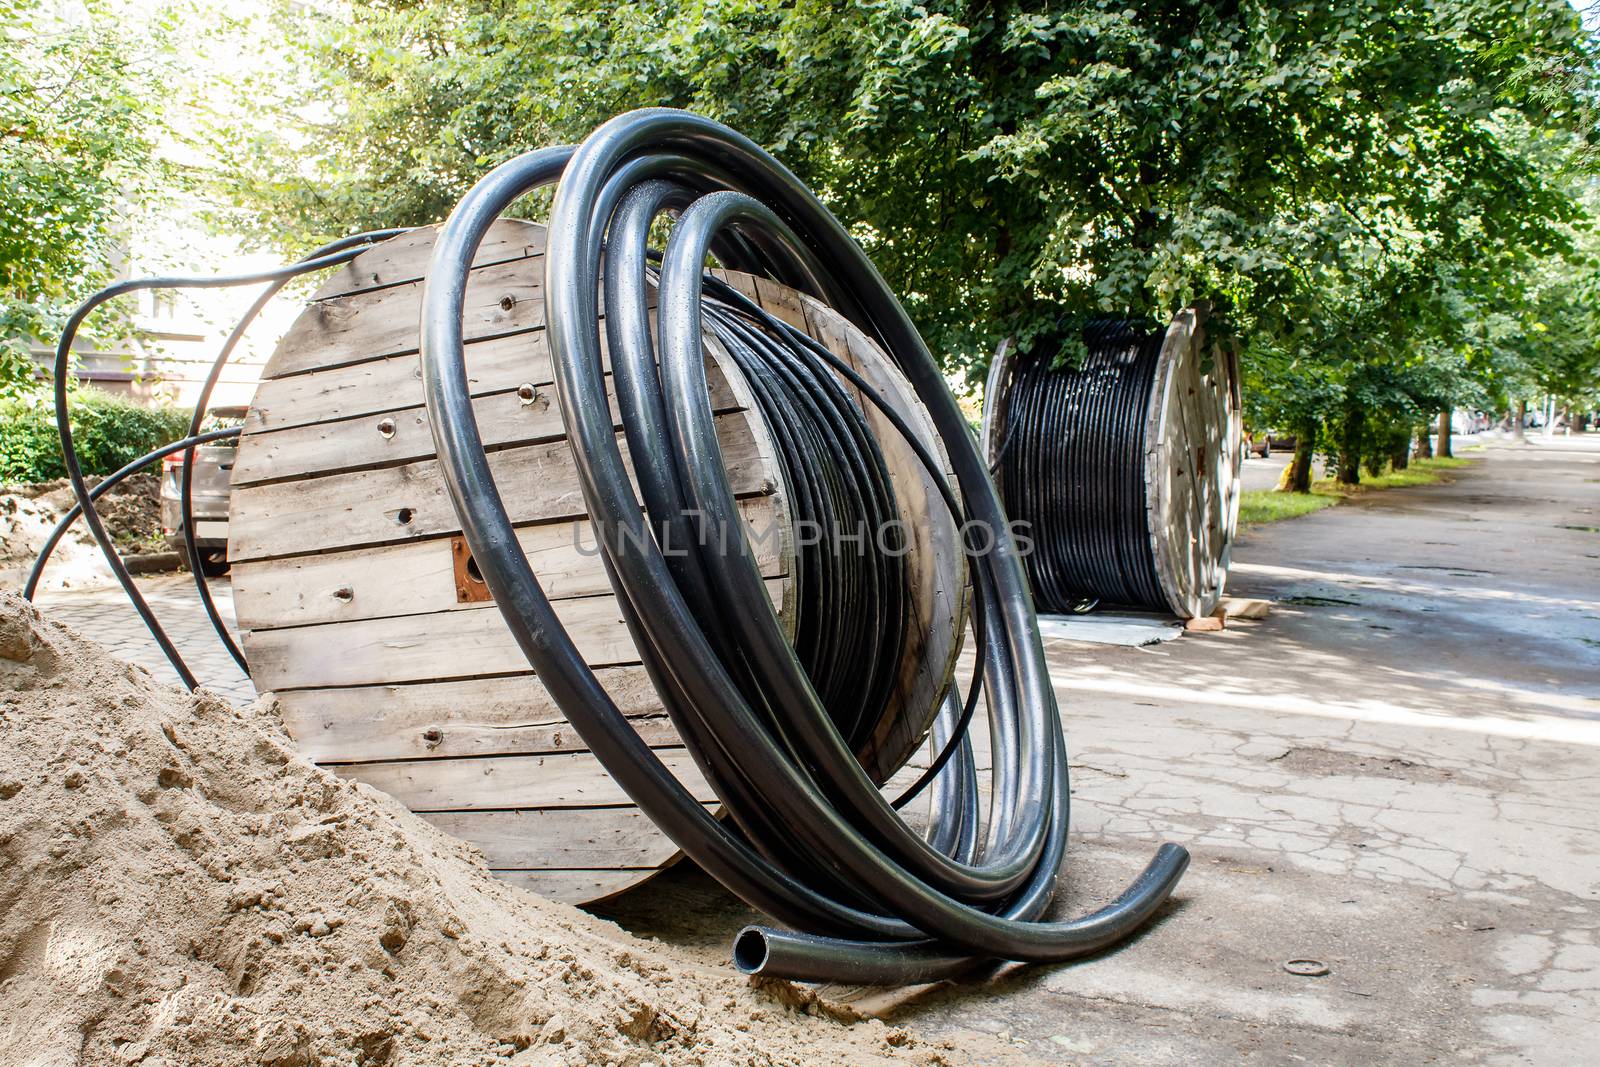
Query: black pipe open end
[(750, 950)]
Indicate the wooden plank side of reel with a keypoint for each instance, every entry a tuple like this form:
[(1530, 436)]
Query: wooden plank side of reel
[(363, 613)]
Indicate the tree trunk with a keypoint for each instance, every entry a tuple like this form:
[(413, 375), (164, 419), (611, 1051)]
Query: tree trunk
[(1350, 445), (1297, 475), (1443, 448), (1400, 458), (1424, 442), (1519, 420)]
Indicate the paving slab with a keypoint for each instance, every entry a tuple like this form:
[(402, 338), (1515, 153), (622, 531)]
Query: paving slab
[(103, 614), (1113, 626)]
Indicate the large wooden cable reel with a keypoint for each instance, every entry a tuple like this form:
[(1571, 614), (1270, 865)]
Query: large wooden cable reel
[(1188, 461), (361, 605)]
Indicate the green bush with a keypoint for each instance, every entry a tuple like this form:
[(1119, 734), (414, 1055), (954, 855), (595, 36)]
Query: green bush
[(108, 431)]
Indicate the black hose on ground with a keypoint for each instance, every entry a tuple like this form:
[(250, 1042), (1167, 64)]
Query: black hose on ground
[(770, 722), (813, 842)]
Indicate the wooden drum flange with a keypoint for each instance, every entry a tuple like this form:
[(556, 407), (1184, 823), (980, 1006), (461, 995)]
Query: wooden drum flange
[(363, 613), (1193, 453)]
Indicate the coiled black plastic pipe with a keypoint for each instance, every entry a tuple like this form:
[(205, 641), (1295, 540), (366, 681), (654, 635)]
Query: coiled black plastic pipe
[(852, 605), (1071, 466), (813, 843), (329, 255)]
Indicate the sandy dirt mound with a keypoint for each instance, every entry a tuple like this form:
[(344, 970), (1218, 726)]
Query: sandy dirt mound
[(131, 513), (178, 886)]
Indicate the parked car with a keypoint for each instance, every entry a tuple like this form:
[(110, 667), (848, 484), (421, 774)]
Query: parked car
[(213, 474), (1282, 442), (1265, 442), (1469, 422)]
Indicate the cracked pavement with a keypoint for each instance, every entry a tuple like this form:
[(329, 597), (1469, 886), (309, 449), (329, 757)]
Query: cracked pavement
[(1397, 774)]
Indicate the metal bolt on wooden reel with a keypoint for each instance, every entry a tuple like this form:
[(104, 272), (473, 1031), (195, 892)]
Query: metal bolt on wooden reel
[(1125, 469)]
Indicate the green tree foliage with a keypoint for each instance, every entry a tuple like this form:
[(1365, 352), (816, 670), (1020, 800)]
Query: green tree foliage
[(1357, 184), (79, 104), (1551, 346)]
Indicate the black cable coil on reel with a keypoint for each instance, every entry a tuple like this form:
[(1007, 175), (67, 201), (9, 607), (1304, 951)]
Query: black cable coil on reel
[(771, 724), (1070, 465), (1124, 467), (813, 844)]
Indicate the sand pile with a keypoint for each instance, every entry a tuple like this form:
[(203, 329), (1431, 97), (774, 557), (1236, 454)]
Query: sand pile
[(178, 886), (131, 513)]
